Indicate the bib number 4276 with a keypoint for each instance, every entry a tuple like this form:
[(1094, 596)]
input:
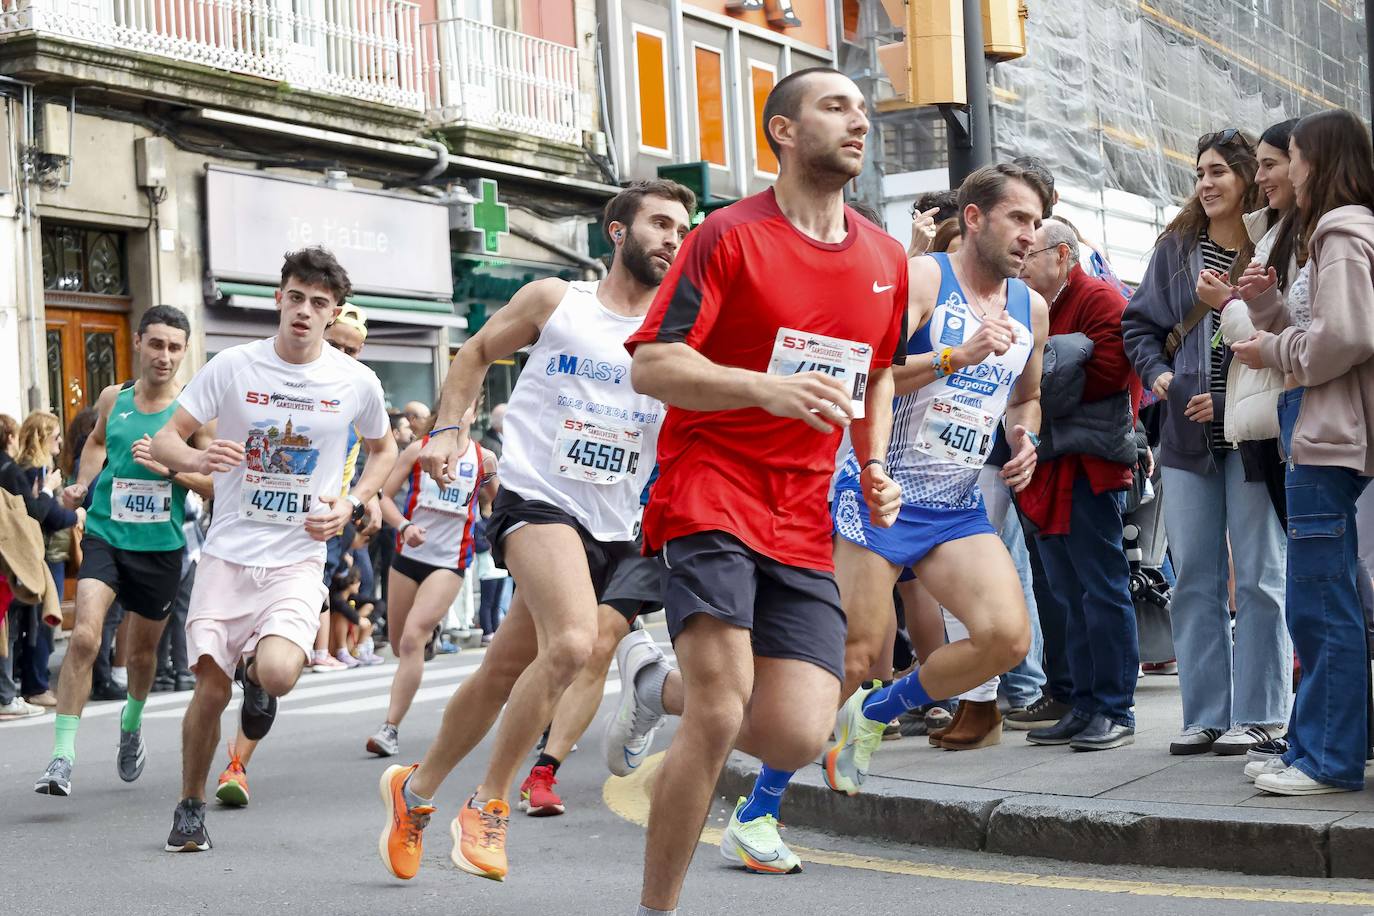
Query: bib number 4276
[(281, 501)]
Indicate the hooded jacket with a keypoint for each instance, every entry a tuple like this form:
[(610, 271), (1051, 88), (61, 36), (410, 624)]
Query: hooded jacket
[(1332, 358), (1252, 395), (1165, 297)]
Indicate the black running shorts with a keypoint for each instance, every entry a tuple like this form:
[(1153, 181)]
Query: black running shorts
[(791, 612), (144, 581), (418, 571), (636, 587), (511, 511)]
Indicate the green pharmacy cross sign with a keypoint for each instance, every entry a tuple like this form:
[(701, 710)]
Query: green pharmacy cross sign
[(490, 217)]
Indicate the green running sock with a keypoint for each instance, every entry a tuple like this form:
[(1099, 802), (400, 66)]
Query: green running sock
[(133, 714), (64, 737)]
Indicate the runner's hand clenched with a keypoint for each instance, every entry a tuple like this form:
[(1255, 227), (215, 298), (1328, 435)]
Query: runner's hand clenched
[(883, 495), (439, 458), (994, 335), (222, 455), (73, 496), (1017, 472), (813, 397), (414, 535), (142, 452), (323, 525)]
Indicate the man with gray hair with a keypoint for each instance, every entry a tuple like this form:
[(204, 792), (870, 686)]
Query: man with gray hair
[(1075, 501)]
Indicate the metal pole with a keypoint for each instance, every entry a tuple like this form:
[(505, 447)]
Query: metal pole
[(1369, 63), (870, 180), (976, 73)]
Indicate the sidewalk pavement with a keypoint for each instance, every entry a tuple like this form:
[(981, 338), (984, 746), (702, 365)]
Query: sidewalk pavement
[(1135, 805)]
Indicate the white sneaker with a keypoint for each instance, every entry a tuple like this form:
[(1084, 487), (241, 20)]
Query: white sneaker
[(19, 708), (630, 732), (1240, 738), (1194, 741), (1257, 768), (1293, 781)]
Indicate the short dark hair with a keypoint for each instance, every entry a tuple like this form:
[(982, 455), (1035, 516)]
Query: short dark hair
[(317, 266), (169, 315), (986, 187), (945, 201), (785, 99), (1037, 166), (625, 206)]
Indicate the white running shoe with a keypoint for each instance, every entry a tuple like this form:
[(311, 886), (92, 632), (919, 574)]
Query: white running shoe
[(1293, 781), (630, 732), (1257, 768), (856, 738), (758, 846)]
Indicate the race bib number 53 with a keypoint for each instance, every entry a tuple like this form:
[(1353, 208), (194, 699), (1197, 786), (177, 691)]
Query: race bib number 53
[(846, 361), (594, 451)]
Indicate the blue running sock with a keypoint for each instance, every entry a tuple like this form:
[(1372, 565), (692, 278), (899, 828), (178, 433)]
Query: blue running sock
[(767, 795), (887, 703)]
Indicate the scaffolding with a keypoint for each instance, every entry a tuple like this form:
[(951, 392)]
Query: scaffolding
[(1116, 93)]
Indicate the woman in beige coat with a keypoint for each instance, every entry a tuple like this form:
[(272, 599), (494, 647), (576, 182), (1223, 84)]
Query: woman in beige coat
[(1324, 421)]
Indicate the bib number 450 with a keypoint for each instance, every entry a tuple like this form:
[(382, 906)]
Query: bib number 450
[(959, 438)]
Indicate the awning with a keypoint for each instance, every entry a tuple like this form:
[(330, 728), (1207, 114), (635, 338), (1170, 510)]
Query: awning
[(424, 312)]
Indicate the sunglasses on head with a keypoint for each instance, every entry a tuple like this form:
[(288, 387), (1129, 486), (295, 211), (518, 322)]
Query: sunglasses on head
[(1219, 138)]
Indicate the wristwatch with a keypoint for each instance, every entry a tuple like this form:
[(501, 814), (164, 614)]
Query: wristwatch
[(359, 509)]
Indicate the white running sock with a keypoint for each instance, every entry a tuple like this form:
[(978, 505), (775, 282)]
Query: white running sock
[(649, 686)]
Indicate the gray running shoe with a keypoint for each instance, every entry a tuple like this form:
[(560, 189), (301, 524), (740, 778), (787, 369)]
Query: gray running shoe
[(630, 732), (56, 779), (188, 828), (133, 753), (386, 743)]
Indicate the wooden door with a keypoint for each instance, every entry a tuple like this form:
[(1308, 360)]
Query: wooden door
[(87, 350)]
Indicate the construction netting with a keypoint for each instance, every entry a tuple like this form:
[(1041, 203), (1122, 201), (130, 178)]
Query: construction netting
[(1116, 93)]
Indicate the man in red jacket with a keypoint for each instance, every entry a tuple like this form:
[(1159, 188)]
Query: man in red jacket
[(1076, 502)]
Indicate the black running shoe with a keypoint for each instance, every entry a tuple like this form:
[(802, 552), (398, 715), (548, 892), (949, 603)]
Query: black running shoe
[(188, 828), (259, 710), (108, 690), (1267, 750)]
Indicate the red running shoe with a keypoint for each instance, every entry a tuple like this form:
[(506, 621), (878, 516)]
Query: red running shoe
[(537, 797)]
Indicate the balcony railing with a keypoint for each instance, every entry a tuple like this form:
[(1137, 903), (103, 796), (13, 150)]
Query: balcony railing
[(493, 77), (364, 49)]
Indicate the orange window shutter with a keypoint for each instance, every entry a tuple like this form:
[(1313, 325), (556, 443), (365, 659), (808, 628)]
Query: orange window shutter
[(710, 107), (653, 94), (761, 84)]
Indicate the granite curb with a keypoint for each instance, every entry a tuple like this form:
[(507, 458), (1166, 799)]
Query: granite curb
[(1249, 840)]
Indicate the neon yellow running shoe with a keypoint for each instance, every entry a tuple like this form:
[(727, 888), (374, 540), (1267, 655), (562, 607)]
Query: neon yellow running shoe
[(856, 738), (758, 846)]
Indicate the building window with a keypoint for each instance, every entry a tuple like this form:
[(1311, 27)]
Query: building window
[(80, 260), (710, 74), (651, 68), (761, 80)]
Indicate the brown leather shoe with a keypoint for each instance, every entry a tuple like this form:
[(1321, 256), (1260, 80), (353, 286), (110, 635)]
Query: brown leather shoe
[(939, 733), (979, 726), (44, 699)]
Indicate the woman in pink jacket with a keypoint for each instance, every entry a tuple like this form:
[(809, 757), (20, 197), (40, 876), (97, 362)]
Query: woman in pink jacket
[(1324, 420)]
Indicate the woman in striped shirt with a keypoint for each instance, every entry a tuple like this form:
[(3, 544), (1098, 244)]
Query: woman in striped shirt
[(1234, 691)]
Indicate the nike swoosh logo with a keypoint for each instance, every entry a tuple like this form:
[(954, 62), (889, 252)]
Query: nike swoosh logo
[(882, 289)]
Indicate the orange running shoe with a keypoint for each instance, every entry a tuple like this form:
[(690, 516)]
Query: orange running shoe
[(402, 840), (537, 797), (479, 838), (233, 782)]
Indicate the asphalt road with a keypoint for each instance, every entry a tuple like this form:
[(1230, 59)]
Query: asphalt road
[(307, 843)]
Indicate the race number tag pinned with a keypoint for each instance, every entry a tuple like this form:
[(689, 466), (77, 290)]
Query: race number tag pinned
[(277, 499), (957, 433), (140, 502), (846, 361), (594, 451), (453, 499)]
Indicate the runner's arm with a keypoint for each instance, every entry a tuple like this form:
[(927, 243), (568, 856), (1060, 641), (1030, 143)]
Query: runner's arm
[(203, 484), (486, 492), (515, 325), (924, 280), (391, 513), (381, 460), (1023, 413), (171, 448), (871, 436), (93, 453)]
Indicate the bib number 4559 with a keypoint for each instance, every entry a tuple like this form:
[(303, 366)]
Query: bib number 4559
[(603, 457)]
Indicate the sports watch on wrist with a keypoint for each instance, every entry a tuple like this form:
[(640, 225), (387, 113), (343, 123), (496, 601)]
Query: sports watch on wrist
[(359, 509)]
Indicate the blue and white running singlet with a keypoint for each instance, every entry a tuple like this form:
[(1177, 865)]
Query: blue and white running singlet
[(942, 433)]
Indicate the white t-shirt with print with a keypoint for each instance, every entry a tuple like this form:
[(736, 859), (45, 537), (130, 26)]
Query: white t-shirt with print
[(293, 421)]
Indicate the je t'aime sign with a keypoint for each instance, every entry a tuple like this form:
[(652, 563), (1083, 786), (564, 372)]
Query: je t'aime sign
[(389, 244)]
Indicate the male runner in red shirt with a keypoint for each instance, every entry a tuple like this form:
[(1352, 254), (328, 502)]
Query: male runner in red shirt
[(778, 323)]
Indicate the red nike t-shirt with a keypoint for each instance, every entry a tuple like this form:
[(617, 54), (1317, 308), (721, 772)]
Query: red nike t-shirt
[(743, 280)]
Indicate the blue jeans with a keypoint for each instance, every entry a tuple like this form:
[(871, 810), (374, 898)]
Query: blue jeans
[(1329, 737), (1088, 569), (1226, 682), (1023, 684)]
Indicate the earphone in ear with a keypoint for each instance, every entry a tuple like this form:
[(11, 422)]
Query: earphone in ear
[(620, 235)]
